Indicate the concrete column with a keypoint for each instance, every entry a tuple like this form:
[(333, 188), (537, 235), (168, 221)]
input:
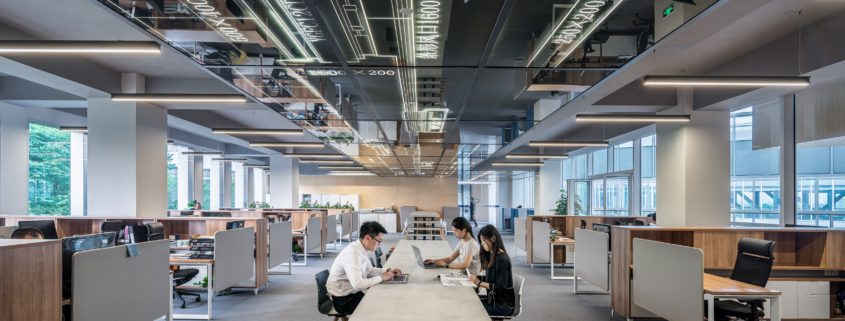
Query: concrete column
[(226, 185), (545, 107), (250, 185), (127, 154), (14, 160), (197, 178), (215, 188), (787, 161), (549, 184), (184, 179), (693, 171), (284, 181), (240, 184), (78, 160)]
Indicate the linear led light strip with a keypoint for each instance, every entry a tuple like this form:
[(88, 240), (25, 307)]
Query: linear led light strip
[(300, 155), (105, 47), (352, 174), (283, 144), (534, 156), (538, 49), (179, 98), (589, 32), (289, 33), (333, 167), (623, 118), (75, 129), (326, 162), (202, 153), (727, 81), (517, 164), (568, 144), (267, 30), (256, 131)]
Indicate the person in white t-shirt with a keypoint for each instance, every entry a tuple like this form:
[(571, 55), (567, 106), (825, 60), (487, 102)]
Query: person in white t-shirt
[(465, 255)]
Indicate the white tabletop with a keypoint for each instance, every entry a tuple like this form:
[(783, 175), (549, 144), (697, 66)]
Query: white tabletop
[(423, 297)]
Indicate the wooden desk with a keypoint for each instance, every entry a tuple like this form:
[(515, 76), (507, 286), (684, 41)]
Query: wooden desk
[(566, 243), (180, 259), (716, 287), (567, 224), (423, 297), (30, 280)]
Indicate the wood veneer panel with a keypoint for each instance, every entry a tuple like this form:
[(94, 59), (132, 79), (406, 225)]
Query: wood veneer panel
[(810, 248), (30, 279), (620, 271), (784, 247), (720, 247), (834, 256)]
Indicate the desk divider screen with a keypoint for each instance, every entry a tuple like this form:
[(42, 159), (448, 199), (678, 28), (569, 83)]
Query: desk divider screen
[(346, 225), (331, 228), (234, 258), (109, 285), (668, 280), (314, 235), (591, 257), (519, 235), (540, 245), (281, 240)]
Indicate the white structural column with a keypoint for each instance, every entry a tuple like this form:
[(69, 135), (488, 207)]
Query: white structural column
[(198, 171), (240, 184), (249, 185), (220, 178), (693, 171), (545, 106), (549, 183), (226, 184), (14, 160), (284, 181), (184, 179), (127, 156), (78, 160)]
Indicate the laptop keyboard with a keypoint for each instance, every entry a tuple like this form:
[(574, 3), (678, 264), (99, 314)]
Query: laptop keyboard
[(400, 278)]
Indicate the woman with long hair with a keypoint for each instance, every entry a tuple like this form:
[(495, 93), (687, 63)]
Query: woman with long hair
[(466, 253), (498, 279)]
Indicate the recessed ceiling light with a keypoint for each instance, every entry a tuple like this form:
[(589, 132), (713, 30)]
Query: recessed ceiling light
[(93, 47), (179, 98), (256, 131), (534, 156), (726, 81), (568, 143), (632, 118), (290, 144)]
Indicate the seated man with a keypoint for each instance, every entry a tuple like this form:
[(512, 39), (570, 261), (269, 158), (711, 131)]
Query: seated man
[(351, 273), (27, 233)]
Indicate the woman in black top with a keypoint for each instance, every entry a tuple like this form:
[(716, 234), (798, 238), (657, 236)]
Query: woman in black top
[(498, 280)]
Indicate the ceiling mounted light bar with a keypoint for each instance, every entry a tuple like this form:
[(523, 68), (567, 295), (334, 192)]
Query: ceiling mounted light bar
[(72, 47), (507, 164), (631, 118), (351, 174), (281, 144), (534, 156), (226, 159), (256, 131), (326, 162), (726, 81), (179, 98), (74, 129), (202, 153), (255, 166), (301, 155), (339, 167), (568, 143)]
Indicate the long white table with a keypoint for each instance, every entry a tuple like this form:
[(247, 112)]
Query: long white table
[(423, 297)]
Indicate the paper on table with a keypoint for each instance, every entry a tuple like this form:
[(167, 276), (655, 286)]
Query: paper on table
[(455, 279)]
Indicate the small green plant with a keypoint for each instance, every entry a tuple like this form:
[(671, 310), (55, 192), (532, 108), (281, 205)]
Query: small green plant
[(563, 202), (259, 205), (203, 284), (307, 204), (193, 204)]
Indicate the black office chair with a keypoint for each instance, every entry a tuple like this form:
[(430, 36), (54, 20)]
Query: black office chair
[(324, 303), (753, 265), (155, 231), (113, 226), (583, 224), (519, 284), (180, 277)]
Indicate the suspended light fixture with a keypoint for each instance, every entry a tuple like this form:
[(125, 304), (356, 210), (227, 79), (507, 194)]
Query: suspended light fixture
[(74, 129), (80, 47), (568, 143), (256, 131), (289, 144), (333, 167), (631, 118), (202, 153), (727, 81), (534, 156), (517, 164), (326, 162), (301, 155), (179, 98), (347, 173)]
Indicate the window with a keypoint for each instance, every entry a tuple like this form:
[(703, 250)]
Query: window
[(755, 163), (648, 178), (599, 162), (623, 156), (172, 177), (49, 171)]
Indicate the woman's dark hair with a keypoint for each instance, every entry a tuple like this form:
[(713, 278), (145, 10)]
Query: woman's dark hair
[(27, 231), (462, 224), (497, 245)]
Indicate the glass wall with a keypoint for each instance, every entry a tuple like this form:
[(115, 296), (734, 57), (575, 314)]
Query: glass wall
[(755, 163), (648, 179), (523, 189), (49, 171), (172, 177)]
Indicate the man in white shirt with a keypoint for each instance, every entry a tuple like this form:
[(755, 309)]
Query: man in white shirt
[(352, 273)]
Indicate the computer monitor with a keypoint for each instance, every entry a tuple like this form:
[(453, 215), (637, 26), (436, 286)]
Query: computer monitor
[(234, 225), (47, 228), (601, 228)]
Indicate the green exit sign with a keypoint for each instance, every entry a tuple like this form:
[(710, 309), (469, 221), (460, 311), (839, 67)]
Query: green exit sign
[(668, 10)]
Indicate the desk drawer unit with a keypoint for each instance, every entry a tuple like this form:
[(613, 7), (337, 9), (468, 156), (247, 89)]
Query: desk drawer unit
[(802, 300)]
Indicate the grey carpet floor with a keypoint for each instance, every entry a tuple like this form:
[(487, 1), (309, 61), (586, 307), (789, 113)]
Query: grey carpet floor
[(294, 297)]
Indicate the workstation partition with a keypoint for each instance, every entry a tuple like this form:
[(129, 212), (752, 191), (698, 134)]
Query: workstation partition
[(592, 261), (280, 252), (565, 224), (804, 258), (32, 285)]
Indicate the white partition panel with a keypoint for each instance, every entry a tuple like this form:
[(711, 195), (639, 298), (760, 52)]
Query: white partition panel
[(281, 241), (591, 258), (234, 257), (331, 228), (346, 225), (668, 280), (540, 239), (109, 285), (519, 235), (314, 236)]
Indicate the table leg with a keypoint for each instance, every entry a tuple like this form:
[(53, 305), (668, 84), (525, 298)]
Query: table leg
[(711, 307), (210, 288), (552, 260), (775, 307)]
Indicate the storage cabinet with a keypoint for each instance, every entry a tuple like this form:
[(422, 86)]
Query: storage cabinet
[(388, 220), (802, 300)]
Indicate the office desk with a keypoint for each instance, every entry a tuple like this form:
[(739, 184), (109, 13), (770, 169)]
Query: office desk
[(565, 242), (716, 287), (423, 297), (181, 260)]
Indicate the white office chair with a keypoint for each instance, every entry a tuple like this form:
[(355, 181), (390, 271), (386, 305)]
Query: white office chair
[(519, 283)]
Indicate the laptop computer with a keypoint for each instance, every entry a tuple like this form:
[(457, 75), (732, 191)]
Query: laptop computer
[(400, 279), (420, 260)]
